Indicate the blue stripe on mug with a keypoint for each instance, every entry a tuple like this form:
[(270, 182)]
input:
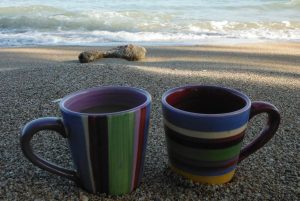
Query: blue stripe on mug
[(80, 148), (202, 171), (208, 122)]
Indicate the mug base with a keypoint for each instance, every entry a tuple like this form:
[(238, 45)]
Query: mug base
[(205, 179)]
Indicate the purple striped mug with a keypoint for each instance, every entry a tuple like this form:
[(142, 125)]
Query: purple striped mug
[(106, 128), (204, 128)]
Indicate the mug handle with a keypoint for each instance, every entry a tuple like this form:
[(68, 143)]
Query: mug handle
[(258, 107), (30, 129)]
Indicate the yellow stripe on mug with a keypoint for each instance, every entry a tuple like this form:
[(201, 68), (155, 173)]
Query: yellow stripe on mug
[(221, 179)]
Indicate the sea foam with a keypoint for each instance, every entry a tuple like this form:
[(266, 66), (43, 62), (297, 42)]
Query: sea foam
[(105, 23)]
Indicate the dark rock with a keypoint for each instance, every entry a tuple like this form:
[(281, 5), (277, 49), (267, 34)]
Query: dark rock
[(89, 56), (129, 52)]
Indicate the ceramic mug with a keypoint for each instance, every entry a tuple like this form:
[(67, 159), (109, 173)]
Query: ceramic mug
[(106, 128), (205, 126)]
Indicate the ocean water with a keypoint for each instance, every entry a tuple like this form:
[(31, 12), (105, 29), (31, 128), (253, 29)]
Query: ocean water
[(148, 22)]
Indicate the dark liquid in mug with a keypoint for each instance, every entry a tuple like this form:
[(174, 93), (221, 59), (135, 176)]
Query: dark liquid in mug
[(209, 101), (106, 108), (208, 106)]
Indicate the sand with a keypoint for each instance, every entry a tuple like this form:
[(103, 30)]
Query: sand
[(31, 79)]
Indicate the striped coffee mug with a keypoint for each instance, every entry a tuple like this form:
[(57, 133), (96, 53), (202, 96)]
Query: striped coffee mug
[(107, 132), (204, 128)]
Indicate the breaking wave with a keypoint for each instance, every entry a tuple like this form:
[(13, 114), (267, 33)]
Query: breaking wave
[(177, 24)]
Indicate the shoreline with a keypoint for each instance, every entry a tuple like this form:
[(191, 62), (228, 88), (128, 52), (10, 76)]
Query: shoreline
[(210, 42), (276, 56), (247, 45)]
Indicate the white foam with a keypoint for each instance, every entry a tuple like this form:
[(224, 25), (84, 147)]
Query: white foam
[(108, 37), (106, 24)]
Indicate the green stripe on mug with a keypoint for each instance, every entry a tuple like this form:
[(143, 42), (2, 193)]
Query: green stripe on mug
[(121, 140), (204, 154)]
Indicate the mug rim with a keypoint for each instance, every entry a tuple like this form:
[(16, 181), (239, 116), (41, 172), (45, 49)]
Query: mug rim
[(88, 90), (231, 90)]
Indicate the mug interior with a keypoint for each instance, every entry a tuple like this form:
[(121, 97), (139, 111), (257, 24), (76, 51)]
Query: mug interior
[(103, 100), (206, 99)]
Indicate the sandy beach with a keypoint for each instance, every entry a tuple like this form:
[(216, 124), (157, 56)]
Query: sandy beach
[(32, 79)]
